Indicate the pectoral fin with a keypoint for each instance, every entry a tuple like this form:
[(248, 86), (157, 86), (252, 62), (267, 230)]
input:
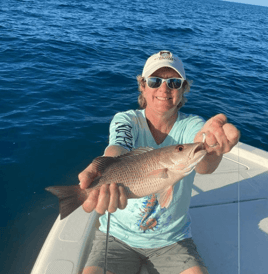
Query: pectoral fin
[(165, 197), (158, 173)]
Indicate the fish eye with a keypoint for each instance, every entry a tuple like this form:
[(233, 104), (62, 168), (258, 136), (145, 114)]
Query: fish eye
[(179, 148)]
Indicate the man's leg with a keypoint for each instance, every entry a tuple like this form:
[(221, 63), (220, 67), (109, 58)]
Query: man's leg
[(195, 270), (121, 258), (95, 270), (179, 258)]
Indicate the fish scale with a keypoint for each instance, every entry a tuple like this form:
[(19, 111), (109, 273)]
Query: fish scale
[(141, 172), (135, 173)]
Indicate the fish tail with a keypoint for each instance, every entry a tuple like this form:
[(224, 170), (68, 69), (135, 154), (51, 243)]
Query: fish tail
[(70, 198)]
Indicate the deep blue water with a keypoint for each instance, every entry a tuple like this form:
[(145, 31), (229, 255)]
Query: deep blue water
[(66, 67)]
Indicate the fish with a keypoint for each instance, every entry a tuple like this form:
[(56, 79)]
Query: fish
[(142, 172)]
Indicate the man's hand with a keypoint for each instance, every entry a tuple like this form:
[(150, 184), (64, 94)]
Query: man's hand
[(108, 197), (221, 137)]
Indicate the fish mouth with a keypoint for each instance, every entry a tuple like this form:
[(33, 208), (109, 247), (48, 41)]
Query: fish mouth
[(198, 151), (196, 155)]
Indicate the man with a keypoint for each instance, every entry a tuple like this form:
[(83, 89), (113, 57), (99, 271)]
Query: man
[(142, 232)]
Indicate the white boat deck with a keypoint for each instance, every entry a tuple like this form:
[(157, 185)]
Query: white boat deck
[(229, 211)]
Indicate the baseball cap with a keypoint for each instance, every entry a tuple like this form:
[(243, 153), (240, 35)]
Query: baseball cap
[(162, 59)]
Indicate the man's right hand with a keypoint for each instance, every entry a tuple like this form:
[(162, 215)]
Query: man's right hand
[(108, 197)]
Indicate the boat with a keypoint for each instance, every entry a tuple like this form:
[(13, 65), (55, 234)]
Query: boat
[(229, 211)]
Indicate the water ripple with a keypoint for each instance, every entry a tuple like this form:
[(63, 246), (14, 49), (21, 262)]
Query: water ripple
[(66, 67)]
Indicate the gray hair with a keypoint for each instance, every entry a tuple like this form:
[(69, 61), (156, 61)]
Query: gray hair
[(142, 101)]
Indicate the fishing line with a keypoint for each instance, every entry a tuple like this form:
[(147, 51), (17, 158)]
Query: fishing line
[(238, 215), (106, 248), (238, 208)]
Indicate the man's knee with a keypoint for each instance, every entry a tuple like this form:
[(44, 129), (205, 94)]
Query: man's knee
[(195, 270), (95, 270)]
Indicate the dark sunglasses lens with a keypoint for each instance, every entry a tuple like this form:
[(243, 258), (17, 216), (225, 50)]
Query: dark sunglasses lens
[(154, 82), (175, 83)]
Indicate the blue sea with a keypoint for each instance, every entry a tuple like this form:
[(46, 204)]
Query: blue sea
[(66, 67)]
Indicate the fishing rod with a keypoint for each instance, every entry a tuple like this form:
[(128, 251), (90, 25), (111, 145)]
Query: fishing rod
[(106, 248)]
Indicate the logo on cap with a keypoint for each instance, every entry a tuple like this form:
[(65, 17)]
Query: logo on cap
[(165, 54)]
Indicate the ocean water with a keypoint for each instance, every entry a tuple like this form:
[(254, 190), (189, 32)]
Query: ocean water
[(66, 67)]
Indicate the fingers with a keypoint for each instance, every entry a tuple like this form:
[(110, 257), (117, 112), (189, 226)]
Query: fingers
[(221, 118), (210, 140), (221, 136), (122, 202), (104, 199), (217, 120), (109, 197), (114, 197), (232, 133), (87, 176), (91, 202)]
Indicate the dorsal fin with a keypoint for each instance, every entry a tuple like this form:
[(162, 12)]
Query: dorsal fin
[(102, 162), (135, 152)]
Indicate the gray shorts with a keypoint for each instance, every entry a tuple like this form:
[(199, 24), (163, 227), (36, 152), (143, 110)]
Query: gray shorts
[(123, 259)]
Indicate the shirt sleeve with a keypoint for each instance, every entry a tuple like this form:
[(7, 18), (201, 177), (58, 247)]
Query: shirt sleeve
[(122, 131), (195, 124)]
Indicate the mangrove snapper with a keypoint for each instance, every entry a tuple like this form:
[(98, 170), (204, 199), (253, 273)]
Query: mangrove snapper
[(141, 172)]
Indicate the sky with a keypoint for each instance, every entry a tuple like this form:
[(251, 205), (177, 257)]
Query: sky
[(252, 2)]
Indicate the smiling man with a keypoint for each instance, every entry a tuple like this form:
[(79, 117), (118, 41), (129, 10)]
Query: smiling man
[(142, 231)]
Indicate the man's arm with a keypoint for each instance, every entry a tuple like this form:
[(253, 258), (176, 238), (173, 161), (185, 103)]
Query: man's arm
[(221, 137), (114, 151)]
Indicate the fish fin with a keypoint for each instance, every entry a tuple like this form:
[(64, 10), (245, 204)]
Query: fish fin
[(163, 164), (158, 173), (169, 165), (70, 198), (165, 197), (135, 152), (102, 162)]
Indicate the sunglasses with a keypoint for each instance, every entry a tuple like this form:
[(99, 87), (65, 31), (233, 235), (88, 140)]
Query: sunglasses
[(156, 82)]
